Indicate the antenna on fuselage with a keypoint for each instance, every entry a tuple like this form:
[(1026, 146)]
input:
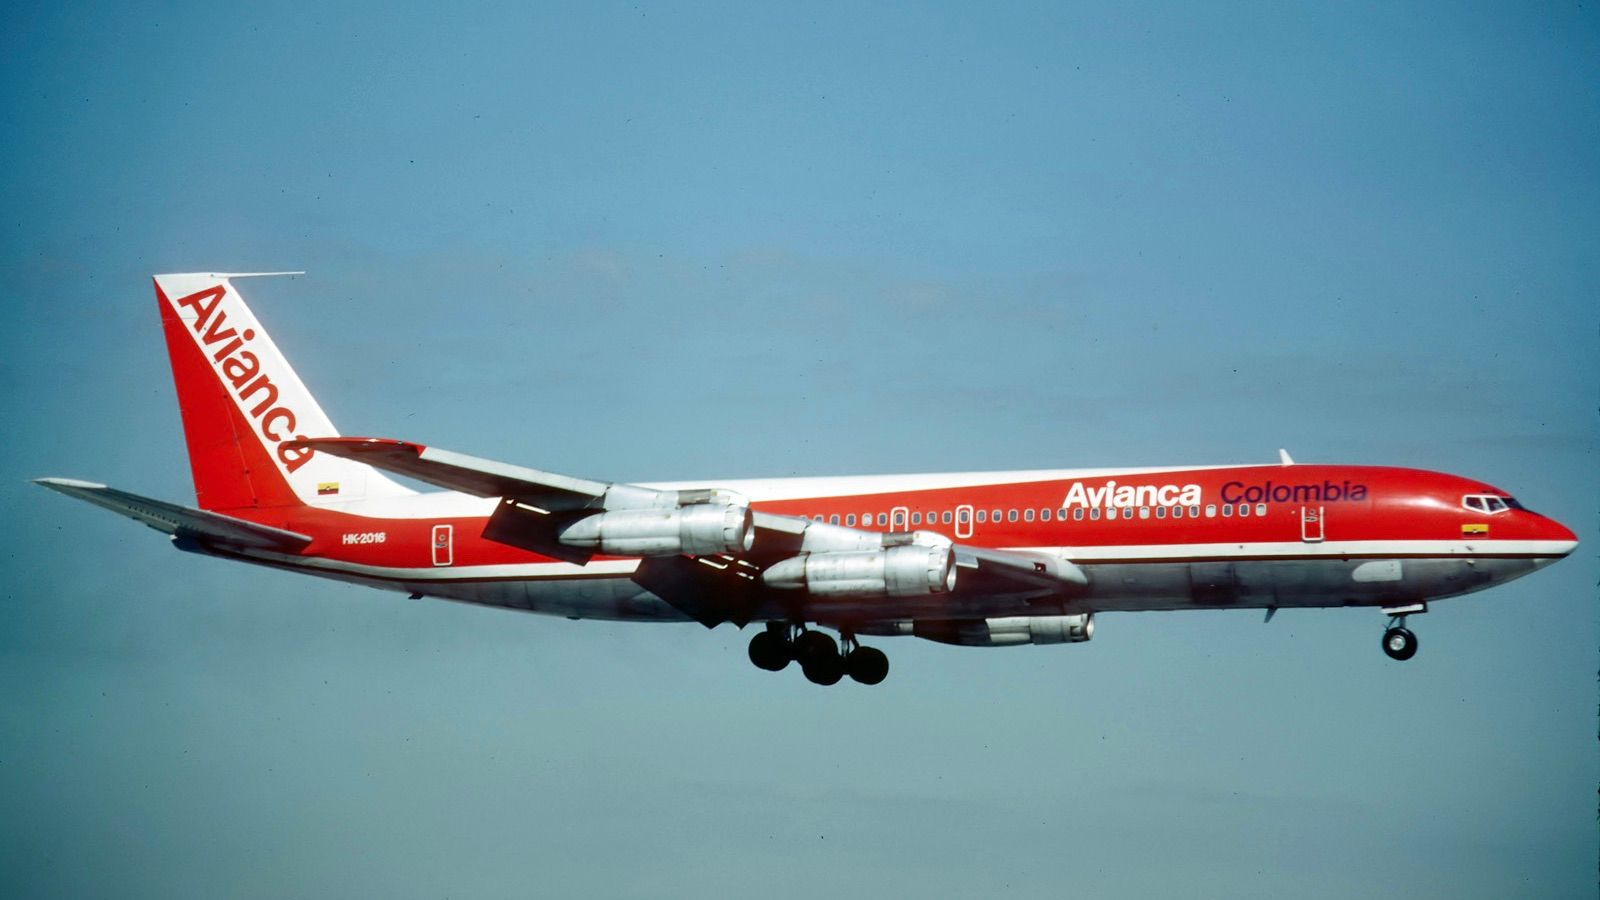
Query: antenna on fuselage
[(1283, 457)]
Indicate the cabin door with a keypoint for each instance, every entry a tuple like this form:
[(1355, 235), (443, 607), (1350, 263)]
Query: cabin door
[(964, 521), (1311, 522), (442, 551)]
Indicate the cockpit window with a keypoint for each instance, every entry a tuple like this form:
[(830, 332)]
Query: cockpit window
[(1489, 503)]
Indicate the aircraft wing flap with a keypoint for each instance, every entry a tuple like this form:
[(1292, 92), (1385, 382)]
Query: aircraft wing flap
[(179, 521), (1039, 570), (549, 491)]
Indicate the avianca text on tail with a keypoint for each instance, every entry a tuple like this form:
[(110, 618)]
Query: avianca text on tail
[(976, 559)]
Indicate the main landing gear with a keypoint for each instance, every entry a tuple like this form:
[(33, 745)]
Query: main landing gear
[(820, 658), (1398, 641)]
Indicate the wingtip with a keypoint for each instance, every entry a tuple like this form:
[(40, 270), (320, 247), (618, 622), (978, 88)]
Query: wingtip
[(352, 446), (59, 483)]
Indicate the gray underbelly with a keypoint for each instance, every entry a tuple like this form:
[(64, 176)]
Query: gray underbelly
[(1291, 583), (578, 598)]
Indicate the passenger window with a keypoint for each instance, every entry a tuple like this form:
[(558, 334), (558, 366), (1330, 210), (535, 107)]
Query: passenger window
[(1027, 514), (945, 517), (1227, 509), (1127, 512), (916, 518), (1194, 512), (1261, 509), (850, 519), (1077, 514), (1211, 510), (1144, 512), (883, 519), (963, 515), (1244, 509), (994, 516), (1044, 515), (1094, 514), (1161, 512), (983, 516), (833, 519), (1011, 515)]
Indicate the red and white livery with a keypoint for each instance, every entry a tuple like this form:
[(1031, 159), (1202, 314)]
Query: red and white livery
[(986, 559)]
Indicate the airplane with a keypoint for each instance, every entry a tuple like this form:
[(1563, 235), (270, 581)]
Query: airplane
[(976, 559)]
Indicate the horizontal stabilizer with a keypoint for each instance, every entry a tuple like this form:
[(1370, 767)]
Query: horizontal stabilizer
[(179, 521)]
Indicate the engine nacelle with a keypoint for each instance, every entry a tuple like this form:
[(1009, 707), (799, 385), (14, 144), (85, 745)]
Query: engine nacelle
[(909, 570), (1009, 631), (700, 529)]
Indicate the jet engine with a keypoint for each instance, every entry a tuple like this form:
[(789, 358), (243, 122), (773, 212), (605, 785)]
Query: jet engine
[(699, 529), (907, 570), (1009, 631)]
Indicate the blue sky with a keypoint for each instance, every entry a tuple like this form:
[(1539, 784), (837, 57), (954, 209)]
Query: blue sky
[(638, 242)]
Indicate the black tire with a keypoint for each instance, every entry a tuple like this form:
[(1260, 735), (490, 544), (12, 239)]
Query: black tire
[(769, 651), (867, 665), (811, 646), (824, 669), (1399, 643)]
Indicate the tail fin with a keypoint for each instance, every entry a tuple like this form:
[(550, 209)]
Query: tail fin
[(241, 401)]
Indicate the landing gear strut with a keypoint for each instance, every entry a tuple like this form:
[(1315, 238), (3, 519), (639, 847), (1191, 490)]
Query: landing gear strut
[(819, 656)]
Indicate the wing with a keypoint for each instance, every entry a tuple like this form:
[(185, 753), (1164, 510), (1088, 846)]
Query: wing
[(180, 521), (467, 474), (538, 508)]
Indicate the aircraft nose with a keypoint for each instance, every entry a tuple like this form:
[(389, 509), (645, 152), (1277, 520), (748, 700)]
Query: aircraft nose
[(1560, 535)]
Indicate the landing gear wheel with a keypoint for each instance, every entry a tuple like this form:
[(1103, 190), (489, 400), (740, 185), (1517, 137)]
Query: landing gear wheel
[(867, 665), (824, 669), (1399, 643), (768, 650), (814, 645)]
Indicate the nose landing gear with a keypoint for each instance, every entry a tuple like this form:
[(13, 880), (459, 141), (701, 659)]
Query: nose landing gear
[(1398, 641), (819, 656)]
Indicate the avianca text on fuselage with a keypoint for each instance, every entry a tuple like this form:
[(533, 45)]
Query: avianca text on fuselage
[(241, 371), (1116, 495), (1111, 495)]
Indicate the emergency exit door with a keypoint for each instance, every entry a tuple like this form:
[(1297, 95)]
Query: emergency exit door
[(441, 545)]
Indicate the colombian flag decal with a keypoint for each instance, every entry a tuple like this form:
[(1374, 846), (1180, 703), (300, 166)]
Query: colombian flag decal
[(1475, 528), (324, 488)]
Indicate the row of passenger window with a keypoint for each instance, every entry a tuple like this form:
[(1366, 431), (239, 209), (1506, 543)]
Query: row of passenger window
[(1045, 515)]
